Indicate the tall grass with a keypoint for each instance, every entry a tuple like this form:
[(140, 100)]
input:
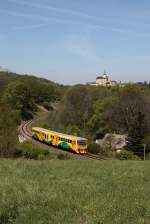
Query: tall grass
[(72, 192)]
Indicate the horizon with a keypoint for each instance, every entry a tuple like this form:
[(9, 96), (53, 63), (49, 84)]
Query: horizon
[(72, 42)]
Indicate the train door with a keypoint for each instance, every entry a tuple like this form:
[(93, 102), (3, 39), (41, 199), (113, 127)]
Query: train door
[(44, 137), (40, 136), (56, 140)]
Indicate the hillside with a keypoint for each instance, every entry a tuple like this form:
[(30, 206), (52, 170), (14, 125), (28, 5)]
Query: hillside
[(24, 92), (7, 77), (57, 192)]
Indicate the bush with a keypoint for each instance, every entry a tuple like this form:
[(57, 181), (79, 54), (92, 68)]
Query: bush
[(63, 156), (94, 148), (126, 155), (29, 151)]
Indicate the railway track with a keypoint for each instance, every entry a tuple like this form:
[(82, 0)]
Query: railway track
[(24, 130)]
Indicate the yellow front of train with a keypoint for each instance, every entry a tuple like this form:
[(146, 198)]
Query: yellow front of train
[(82, 146)]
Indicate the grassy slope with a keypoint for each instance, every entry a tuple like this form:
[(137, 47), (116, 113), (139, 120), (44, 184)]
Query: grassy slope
[(73, 192)]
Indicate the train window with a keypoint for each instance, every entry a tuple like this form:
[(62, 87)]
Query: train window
[(82, 142)]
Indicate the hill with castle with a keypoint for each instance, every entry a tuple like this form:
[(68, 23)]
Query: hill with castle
[(103, 80)]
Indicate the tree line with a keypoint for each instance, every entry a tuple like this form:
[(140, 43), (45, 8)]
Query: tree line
[(94, 111), (82, 110)]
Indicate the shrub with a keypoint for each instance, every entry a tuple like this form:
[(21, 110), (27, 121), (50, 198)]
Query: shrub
[(63, 156), (94, 148), (127, 155), (29, 151)]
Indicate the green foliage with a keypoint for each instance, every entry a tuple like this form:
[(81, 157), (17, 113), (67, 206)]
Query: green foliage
[(73, 130), (9, 119), (97, 124), (122, 113), (136, 135), (23, 92), (97, 111), (19, 96), (5, 79), (30, 151), (127, 155), (94, 148), (76, 107)]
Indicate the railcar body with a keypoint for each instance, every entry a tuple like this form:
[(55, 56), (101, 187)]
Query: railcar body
[(60, 140)]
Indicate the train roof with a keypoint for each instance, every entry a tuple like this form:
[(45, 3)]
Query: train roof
[(58, 133)]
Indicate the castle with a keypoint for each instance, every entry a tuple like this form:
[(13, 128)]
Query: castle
[(104, 80)]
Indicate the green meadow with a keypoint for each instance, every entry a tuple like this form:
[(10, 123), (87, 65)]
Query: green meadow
[(74, 192)]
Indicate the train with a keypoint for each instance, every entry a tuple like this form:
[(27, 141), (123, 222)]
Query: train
[(63, 141)]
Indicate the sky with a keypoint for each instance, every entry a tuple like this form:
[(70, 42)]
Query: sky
[(71, 42)]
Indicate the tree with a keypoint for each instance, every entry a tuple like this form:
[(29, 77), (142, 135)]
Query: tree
[(97, 124), (136, 134), (121, 114), (73, 130), (76, 107), (9, 120), (19, 96)]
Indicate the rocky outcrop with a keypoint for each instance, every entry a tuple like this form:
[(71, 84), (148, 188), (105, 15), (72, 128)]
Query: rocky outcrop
[(113, 141)]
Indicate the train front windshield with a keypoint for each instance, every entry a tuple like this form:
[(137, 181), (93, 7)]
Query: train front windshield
[(82, 143)]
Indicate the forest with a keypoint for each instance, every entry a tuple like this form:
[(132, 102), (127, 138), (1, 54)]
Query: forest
[(81, 110)]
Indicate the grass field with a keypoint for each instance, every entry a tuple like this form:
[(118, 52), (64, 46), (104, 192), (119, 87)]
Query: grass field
[(74, 192)]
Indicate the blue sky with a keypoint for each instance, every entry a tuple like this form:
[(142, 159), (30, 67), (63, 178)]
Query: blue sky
[(71, 41)]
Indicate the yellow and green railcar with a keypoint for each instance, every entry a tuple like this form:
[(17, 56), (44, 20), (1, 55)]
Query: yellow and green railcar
[(63, 141)]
